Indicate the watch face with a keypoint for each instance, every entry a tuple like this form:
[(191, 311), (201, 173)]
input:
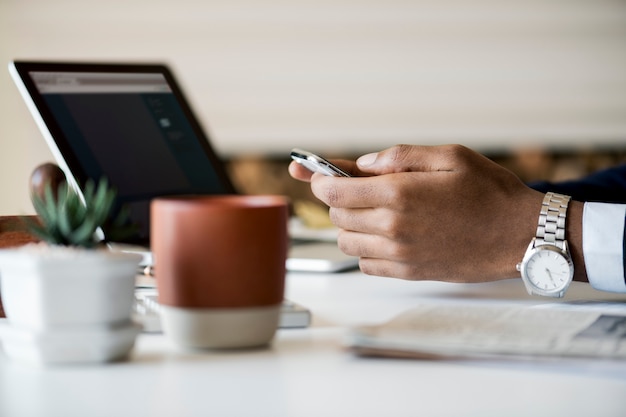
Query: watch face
[(548, 269)]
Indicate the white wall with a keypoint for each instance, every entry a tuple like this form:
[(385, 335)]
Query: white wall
[(341, 75)]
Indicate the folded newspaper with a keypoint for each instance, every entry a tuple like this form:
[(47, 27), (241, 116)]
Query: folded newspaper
[(586, 329)]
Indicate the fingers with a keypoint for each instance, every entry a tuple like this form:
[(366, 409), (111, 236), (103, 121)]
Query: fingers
[(377, 221), (301, 173), (365, 245), (382, 257), (356, 192), (387, 268), (400, 191), (409, 158), (399, 158)]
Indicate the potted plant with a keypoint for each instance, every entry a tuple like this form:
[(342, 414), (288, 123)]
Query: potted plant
[(68, 299)]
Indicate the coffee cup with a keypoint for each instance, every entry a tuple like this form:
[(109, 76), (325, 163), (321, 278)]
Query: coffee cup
[(220, 268)]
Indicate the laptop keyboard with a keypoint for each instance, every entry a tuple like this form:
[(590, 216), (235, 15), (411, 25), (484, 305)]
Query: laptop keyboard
[(147, 309)]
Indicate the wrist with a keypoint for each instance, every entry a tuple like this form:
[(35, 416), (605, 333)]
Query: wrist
[(526, 225), (522, 226), (547, 267)]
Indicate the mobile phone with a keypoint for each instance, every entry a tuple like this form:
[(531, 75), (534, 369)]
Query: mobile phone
[(316, 163)]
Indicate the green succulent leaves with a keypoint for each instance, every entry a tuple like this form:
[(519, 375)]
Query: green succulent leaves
[(68, 221)]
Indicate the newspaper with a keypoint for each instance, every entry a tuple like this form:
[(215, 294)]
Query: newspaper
[(445, 330)]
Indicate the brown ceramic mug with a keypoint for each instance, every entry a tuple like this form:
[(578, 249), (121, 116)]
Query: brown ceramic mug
[(220, 268)]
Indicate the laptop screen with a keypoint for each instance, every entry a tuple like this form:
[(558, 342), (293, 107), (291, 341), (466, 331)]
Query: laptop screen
[(131, 126)]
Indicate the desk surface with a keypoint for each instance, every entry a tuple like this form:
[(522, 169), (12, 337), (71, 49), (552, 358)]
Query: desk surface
[(307, 372)]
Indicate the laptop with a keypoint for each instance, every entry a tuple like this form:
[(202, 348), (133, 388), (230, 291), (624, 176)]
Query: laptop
[(132, 124)]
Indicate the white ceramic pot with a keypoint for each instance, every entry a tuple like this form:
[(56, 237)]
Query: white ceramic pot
[(48, 292)]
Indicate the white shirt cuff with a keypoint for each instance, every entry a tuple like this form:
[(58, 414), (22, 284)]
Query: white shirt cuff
[(603, 245)]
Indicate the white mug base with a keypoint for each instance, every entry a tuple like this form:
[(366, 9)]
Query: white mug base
[(220, 328)]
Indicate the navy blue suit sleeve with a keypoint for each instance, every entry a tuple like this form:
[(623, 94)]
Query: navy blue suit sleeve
[(606, 186)]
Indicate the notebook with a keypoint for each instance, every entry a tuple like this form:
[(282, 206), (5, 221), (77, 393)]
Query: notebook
[(132, 124)]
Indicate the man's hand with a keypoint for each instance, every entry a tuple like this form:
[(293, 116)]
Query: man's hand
[(440, 213)]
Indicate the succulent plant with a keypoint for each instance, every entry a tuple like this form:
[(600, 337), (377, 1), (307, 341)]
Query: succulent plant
[(66, 220)]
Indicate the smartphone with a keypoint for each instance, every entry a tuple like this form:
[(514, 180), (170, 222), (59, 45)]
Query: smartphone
[(316, 163)]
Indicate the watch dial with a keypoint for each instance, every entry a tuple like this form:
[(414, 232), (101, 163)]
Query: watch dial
[(548, 270)]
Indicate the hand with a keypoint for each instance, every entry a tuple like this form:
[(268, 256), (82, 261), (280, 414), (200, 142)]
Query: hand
[(444, 213)]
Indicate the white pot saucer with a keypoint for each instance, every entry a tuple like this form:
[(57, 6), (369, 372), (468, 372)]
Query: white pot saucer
[(68, 345)]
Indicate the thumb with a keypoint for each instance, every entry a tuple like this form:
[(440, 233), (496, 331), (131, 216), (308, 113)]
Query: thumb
[(400, 158)]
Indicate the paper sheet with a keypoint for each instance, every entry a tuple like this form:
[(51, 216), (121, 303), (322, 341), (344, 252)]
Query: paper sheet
[(446, 330)]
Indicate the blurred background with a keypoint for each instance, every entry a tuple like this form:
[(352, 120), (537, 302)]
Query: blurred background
[(537, 85)]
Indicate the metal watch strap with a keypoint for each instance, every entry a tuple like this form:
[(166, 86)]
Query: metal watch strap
[(551, 228)]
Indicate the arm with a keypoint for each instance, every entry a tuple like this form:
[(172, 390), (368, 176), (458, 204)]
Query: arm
[(444, 213), (607, 186)]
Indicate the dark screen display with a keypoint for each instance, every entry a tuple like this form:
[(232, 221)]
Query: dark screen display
[(139, 138)]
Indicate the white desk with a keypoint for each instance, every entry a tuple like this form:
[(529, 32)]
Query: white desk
[(307, 372)]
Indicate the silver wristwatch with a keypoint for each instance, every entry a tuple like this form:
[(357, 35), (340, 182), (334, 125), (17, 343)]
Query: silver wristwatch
[(547, 268)]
